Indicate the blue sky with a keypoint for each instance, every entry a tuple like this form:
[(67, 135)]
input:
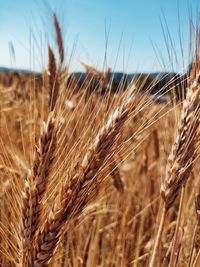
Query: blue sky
[(133, 28)]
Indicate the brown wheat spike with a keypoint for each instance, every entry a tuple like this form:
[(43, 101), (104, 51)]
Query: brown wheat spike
[(103, 77), (53, 83), (181, 158), (117, 180), (156, 145), (35, 187), (92, 70), (104, 80), (183, 152), (79, 186), (59, 38)]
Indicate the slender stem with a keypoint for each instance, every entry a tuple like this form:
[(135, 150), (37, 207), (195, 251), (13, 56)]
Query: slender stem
[(192, 248), (175, 242), (197, 260), (158, 237)]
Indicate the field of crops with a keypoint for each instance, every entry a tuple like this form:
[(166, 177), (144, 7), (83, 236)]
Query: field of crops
[(95, 176)]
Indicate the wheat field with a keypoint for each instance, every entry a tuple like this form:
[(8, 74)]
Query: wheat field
[(97, 179)]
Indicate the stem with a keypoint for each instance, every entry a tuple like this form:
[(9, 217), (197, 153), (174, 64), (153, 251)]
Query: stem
[(158, 237), (175, 242), (196, 261), (192, 248)]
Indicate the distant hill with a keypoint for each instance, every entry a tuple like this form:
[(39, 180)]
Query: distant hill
[(13, 70), (156, 84)]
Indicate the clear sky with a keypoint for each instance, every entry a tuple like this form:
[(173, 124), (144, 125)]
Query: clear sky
[(133, 27)]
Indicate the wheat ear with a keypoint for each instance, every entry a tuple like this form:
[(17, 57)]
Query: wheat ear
[(53, 83), (79, 186), (116, 177), (59, 39), (182, 154), (36, 184)]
